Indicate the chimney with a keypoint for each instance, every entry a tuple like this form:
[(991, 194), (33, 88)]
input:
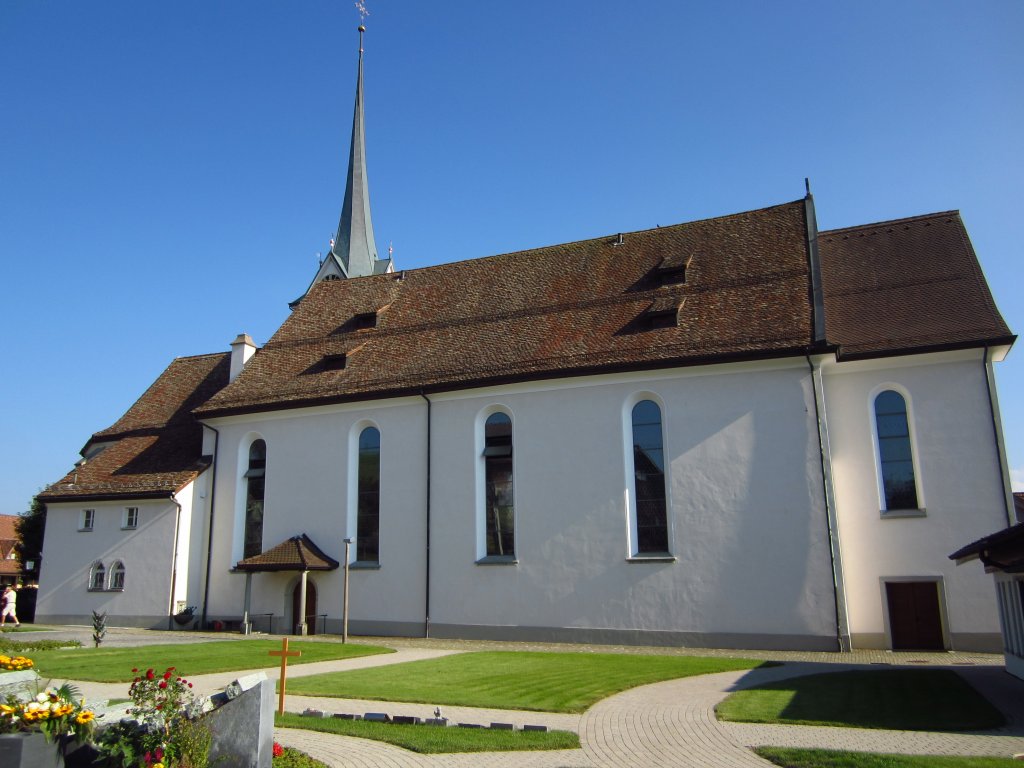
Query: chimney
[(242, 349)]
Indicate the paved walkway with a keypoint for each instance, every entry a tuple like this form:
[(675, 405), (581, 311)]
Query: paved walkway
[(671, 723)]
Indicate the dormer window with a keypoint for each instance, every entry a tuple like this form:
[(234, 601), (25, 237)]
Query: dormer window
[(672, 270), (330, 277), (663, 313), (363, 320), (334, 362)]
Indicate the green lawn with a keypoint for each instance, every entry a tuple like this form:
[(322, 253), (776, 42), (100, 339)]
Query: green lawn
[(822, 758), (433, 739), (901, 699), (114, 665), (548, 682)]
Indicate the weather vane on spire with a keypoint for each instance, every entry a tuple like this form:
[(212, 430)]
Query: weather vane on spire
[(363, 13)]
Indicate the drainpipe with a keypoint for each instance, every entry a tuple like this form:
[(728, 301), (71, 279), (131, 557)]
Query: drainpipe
[(426, 609), (174, 561), (209, 530), (832, 520), (997, 433)]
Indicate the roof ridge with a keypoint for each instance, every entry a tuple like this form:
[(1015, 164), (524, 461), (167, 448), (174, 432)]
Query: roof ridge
[(890, 222), (586, 240)]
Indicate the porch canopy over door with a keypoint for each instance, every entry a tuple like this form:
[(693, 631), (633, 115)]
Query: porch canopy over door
[(299, 553)]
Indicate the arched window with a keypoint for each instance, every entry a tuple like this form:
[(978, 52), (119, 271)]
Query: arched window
[(255, 476), (895, 453), (368, 508), (117, 575), (97, 576), (499, 512), (650, 516)]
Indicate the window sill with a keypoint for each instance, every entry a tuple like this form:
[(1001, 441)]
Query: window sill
[(129, 527), (498, 560), (654, 557), (364, 565), (85, 530), (96, 589), (887, 513)]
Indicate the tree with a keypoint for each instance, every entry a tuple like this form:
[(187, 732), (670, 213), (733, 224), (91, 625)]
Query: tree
[(31, 526)]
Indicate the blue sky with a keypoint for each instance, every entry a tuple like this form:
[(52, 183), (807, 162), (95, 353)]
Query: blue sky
[(169, 171)]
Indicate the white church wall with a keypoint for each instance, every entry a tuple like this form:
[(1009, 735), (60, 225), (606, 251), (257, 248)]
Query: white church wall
[(958, 483), (307, 479), (747, 513), (69, 553)]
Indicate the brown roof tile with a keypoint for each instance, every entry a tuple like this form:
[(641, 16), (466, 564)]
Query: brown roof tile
[(557, 311), (298, 553), (155, 448), (905, 285)]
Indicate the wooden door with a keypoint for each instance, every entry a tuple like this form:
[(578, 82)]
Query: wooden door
[(914, 617), (310, 606)]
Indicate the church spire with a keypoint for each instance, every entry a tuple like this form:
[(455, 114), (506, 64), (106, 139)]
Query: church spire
[(354, 243), (353, 251)]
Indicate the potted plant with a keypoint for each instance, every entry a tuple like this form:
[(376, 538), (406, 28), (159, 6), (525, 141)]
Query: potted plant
[(185, 616), (35, 733)]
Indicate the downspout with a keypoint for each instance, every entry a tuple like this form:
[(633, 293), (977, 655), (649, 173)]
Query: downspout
[(174, 562), (209, 530), (426, 609), (997, 433), (832, 521), (819, 341)]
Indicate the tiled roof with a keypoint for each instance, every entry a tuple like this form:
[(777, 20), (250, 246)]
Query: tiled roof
[(155, 448), (559, 311), (298, 553), (8, 540), (906, 285), (1003, 549)]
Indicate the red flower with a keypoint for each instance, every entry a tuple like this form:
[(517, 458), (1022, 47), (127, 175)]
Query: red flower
[(190, 685), (163, 684), (135, 669), (149, 674), (167, 675), (278, 750)]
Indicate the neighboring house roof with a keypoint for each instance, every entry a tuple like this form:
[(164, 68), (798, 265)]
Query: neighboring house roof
[(563, 310), (155, 449), (298, 553), (9, 563), (904, 286), (1002, 550)]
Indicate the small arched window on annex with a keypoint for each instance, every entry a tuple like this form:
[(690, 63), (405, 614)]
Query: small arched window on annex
[(495, 484), (97, 577), (647, 498), (254, 487), (117, 576), (364, 493), (895, 461)]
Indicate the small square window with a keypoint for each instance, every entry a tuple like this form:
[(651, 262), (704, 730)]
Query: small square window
[(131, 517), (88, 518)]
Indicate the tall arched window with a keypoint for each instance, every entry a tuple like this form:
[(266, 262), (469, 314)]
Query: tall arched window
[(895, 453), (117, 575), (255, 476), (499, 511), (650, 514), (97, 576), (368, 509)]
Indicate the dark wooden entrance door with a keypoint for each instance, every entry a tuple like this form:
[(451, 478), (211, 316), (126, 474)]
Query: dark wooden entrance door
[(914, 617), (310, 606)]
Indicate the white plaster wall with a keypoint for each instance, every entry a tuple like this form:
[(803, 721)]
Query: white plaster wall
[(68, 555), (307, 491), (958, 477), (747, 515)]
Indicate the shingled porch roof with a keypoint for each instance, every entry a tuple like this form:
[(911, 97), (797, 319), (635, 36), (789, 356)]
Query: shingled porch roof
[(299, 553)]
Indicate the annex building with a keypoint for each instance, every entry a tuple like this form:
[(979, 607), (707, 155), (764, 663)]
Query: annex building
[(737, 432)]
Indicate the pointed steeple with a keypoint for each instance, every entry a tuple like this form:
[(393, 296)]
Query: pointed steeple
[(353, 250)]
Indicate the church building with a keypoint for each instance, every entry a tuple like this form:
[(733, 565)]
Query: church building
[(739, 432)]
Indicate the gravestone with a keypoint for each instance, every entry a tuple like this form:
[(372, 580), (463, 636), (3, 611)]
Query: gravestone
[(243, 724), (20, 685)]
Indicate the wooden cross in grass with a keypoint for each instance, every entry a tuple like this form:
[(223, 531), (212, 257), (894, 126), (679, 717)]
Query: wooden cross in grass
[(284, 653)]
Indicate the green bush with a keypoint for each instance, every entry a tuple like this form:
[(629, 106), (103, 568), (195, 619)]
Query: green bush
[(11, 647)]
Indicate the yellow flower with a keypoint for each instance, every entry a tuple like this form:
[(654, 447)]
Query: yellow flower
[(158, 765), (85, 716)]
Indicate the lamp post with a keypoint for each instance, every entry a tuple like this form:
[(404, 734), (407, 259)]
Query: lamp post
[(344, 606)]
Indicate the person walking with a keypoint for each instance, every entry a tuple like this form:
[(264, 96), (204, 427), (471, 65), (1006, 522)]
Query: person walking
[(10, 606)]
